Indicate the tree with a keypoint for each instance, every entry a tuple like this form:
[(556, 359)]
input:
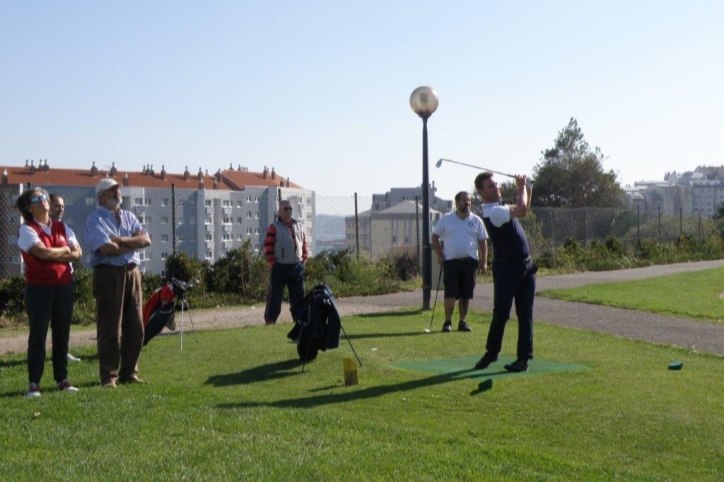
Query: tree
[(719, 214), (570, 175)]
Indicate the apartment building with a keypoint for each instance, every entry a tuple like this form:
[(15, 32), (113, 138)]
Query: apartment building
[(394, 223), (200, 214)]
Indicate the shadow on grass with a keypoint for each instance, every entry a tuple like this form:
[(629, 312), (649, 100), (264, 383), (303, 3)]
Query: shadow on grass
[(384, 335), (386, 314), (12, 363), (261, 373), (365, 393)]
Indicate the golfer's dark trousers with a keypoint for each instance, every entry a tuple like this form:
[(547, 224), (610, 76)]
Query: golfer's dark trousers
[(289, 275), (48, 305), (513, 281), (117, 290)]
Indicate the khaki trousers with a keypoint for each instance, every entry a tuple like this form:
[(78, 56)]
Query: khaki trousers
[(119, 319)]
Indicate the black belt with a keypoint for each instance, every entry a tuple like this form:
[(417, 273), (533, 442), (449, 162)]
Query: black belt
[(125, 267)]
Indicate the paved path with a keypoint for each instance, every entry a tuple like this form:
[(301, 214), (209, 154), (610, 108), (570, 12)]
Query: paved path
[(625, 323)]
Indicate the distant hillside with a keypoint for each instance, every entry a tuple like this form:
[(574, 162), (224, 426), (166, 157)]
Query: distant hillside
[(328, 227)]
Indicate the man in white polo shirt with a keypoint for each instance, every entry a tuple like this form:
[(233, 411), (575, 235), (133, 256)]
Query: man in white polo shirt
[(465, 253)]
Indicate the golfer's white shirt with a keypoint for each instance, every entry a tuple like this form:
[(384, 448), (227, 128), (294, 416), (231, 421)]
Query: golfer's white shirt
[(498, 214), (461, 235)]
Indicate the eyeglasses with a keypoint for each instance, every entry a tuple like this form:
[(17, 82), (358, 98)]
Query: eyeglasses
[(286, 209), (37, 199)]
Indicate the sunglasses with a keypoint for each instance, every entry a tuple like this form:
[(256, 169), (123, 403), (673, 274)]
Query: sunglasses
[(37, 199), (286, 209)]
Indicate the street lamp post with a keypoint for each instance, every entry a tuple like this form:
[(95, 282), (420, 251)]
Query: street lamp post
[(424, 102)]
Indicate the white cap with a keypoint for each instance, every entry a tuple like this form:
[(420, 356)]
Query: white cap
[(104, 185)]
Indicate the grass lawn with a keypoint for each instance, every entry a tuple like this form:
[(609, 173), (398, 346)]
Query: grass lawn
[(690, 295), (236, 406)]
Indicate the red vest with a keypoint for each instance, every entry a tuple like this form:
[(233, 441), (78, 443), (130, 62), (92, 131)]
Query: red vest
[(42, 271)]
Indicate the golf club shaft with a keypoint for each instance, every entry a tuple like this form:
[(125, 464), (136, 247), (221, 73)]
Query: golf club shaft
[(439, 278), (474, 167)]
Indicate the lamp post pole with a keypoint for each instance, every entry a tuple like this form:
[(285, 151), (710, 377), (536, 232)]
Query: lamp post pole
[(424, 102)]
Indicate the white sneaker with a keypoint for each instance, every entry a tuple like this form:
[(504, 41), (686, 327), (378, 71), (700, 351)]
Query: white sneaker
[(33, 391), (72, 358), (65, 386)]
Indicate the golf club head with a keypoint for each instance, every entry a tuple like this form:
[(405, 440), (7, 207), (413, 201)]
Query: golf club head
[(439, 163)]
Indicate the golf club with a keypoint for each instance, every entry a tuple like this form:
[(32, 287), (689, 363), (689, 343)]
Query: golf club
[(439, 163), (439, 278)]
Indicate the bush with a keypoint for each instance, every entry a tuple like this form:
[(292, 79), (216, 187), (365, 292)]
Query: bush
[(182, 266)]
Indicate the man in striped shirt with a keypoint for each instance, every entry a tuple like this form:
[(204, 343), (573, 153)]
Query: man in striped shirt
[(285, 248)]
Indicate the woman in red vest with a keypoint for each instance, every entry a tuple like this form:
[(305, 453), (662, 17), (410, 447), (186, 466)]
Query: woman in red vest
[(47, 248)]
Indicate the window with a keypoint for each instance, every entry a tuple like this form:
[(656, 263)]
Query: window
[(226, 237), (256, 215), (209, 237), (138, 201), (164, 219), (248, 215), (209, 255), (148, 220), (141, 218), (164, 256), (248, 231), (238, 204), (256, 199), (256, 231), (226, 203), (164, 238), (164, 202), (239, 219), (207, 202), (208, 220), (147, 201), (227, 219), (248, 198)]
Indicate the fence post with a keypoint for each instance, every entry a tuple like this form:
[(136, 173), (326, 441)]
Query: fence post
[(659, 224), (173, 219), (356, 223), (638, 222)]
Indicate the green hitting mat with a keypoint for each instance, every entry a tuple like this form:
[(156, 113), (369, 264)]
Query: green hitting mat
[(459, 368)]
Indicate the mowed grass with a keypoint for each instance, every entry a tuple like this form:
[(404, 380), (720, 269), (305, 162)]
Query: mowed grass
[(691, 295), (236, 406)]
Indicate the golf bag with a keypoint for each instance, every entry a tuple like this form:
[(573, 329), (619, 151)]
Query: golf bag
[(160, 309), (317, 323)]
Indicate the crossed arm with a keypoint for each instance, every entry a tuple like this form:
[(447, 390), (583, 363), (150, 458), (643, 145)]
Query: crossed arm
[(122, 245)]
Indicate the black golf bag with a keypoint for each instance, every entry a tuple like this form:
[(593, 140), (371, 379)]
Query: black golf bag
[(160, 309), (317, 323)]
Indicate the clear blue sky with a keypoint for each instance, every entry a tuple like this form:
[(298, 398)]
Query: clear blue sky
[(320, 89)]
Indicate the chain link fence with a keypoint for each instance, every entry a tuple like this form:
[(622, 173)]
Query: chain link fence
[(205, 224)]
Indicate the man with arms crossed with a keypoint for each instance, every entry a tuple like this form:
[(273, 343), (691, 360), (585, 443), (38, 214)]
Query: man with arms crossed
[(115, 236), (464, 237)]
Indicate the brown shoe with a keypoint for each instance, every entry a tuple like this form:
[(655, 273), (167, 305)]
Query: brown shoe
[(131, 379), (109, 384)]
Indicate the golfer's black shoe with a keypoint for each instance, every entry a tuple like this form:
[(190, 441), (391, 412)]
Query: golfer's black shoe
[(486, 361), (463, 326), (518, 366), (447, 327)]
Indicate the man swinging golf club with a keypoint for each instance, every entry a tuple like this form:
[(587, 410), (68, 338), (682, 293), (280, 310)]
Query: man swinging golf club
[(513, 270), (464, 237)]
